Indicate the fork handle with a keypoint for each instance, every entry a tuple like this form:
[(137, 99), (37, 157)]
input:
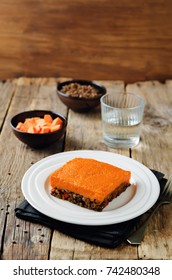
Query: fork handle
[(137, 236)]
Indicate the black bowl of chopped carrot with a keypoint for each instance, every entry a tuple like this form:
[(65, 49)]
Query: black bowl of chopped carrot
[(80, 95), (38, 128)]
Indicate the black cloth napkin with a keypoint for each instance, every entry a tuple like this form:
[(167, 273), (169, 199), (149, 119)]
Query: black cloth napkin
[(109, 236)]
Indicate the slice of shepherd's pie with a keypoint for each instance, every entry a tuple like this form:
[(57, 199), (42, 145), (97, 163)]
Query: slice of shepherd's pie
[(89, 183)]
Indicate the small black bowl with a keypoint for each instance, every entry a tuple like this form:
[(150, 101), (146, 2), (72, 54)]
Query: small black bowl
[(80, 104), (37, 141)]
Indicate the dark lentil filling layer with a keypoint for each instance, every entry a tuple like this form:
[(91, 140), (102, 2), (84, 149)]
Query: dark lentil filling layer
[(86, 202)]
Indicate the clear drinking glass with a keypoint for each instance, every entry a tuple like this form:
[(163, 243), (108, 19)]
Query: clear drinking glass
[(121, 119)]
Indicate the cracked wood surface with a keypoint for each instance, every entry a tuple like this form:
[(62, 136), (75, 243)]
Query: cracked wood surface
[(24, 240)]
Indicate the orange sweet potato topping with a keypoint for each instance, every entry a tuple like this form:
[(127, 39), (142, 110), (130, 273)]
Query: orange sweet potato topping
[(88, 177), (39, 125)]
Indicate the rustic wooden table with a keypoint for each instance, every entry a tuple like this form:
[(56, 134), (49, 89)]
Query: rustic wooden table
[(23, 240)]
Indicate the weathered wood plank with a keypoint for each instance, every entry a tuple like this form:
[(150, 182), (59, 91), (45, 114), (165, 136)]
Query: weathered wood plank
[(158, 238), (64, 248), (84, 133), (155, 152), (6, 93), (24, 240), (91, 39)]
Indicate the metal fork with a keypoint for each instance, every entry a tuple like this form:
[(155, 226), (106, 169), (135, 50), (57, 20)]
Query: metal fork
[(165, 198)]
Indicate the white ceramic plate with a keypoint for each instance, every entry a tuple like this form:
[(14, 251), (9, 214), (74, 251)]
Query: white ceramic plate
[(135, 201)]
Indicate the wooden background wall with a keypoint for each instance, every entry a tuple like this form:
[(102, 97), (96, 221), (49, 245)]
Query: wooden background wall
[(92, 39)]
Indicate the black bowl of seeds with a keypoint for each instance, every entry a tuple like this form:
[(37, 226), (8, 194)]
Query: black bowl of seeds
[(80, 95)]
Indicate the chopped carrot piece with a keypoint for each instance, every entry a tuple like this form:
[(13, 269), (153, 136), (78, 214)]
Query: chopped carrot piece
[(57, 121), (55, 127), (37, 129), (45, 129), (48, 118), (28, 123), (21, 126), (41, 122), (30, 129)]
